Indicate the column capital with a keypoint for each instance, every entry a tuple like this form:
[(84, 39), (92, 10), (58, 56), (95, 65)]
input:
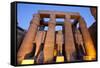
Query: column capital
[(35, 19), (67, 19), (67, 16), (52, 19)]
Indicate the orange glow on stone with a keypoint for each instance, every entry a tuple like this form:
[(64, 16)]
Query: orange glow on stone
[(91, 53), (88, 58)]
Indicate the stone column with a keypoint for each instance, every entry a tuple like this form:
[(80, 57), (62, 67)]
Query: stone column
[(27, 44), (90, 50), (50, 40), (69, 40)]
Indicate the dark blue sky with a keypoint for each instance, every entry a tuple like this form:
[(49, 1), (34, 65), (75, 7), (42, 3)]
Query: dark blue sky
[(25, 13)]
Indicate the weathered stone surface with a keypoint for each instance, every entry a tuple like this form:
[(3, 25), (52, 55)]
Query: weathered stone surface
[(50, 40), (91, 53), (79, 45), (69, 40), (59, 41), (38, 40), (27, 44), (78, 37)]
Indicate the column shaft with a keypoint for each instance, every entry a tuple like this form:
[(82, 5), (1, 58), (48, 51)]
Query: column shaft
[(27, 44), (50, 40), (69, 40), (90, 50)]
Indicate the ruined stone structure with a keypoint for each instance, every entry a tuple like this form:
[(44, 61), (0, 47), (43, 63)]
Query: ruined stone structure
[(72, 42)]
